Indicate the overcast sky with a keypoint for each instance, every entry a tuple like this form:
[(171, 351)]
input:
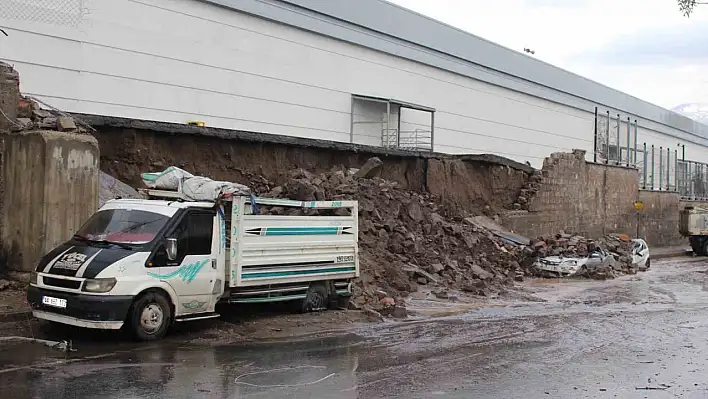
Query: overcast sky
[(646, 48)]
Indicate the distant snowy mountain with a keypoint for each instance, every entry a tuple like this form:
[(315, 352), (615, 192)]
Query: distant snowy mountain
[(695, 111)]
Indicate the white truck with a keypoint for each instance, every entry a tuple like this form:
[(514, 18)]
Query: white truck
[(143, 264), (693, 223)]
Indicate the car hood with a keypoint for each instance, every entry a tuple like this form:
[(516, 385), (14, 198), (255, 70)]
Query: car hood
[(561, 259)]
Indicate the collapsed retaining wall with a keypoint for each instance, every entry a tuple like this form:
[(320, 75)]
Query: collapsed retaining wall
[(569, 194), (591, 199), (130, 147)]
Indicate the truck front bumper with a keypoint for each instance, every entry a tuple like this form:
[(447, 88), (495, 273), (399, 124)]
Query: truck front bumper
[(82, 310)]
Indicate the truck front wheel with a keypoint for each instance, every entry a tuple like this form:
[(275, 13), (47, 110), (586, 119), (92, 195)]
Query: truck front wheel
[(151, 316)]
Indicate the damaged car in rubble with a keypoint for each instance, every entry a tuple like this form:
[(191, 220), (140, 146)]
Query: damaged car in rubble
[(640, 254), (563, 266)]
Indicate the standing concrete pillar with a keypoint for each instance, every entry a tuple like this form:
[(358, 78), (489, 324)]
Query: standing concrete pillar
[(9, 95), (48, 189)]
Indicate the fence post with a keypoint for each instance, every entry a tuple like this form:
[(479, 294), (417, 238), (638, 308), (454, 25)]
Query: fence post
[(636, 138), (644, 167), (607, 140), (629, 139), (594, 142), (676, 173), (619, 147), (661, 168), (668, 169), (652, 166), (690, 179)]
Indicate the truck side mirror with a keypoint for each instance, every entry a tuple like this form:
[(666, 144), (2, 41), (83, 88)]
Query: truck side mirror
[(171, 248)]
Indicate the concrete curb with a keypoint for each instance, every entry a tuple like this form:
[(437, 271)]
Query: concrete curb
[(20, 315)]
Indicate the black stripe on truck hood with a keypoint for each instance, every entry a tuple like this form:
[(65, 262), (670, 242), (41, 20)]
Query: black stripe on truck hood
[(69, 259)]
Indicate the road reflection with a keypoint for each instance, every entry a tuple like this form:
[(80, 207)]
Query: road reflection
[(324, 368)]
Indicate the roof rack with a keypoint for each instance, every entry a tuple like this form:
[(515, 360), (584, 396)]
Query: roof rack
[(151, 193)]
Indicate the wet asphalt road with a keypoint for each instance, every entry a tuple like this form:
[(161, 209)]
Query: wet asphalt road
[(641, 336)]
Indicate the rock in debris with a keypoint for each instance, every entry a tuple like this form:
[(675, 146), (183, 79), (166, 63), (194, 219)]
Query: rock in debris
[(4, 284), (399, 312), (370, 169), (436, 268), (388, 302), (481, 273), (65, 124), (371, 314)]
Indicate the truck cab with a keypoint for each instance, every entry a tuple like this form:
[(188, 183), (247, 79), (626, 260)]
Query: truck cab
[(143, 264)]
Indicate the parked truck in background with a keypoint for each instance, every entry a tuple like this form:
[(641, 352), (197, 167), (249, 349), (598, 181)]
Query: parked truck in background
[(693, 223), (146, 263)]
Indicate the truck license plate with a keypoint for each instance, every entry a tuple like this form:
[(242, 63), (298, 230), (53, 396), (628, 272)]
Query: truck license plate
[(56, 302)]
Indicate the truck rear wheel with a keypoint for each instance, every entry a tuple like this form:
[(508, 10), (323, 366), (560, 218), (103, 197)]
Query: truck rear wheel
[(150, 316), (699, 245), (317, 298)]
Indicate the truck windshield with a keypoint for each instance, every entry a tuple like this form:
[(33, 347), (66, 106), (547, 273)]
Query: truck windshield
[(127, 226)]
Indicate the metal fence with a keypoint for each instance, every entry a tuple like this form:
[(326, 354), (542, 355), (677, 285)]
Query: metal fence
[(692, 180), (616, 140), (56, 12), (660, 169)]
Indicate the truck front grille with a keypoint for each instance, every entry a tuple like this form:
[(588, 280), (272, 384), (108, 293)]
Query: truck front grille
[(60, 282)]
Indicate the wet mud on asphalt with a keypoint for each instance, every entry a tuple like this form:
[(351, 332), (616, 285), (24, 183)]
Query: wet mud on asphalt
[(642, 336)]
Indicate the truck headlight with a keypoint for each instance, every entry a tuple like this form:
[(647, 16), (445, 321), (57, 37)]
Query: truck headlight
[(99, 284), (33, 278)]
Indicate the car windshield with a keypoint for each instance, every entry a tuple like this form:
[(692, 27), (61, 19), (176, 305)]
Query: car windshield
[(127, 226)]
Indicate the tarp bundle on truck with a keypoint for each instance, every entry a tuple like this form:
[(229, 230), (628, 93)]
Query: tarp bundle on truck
[(190, 187)]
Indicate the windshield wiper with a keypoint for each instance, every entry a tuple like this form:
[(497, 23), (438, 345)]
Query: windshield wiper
[(137, 225), (120, 244)]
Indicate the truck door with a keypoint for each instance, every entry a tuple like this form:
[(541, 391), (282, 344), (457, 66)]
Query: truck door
[(193, 273)]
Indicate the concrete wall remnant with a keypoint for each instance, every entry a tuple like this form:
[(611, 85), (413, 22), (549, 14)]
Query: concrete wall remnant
[(49, 189), (9, 95)]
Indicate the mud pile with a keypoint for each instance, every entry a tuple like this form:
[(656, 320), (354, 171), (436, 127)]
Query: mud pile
[(573, 245), (407, 239)]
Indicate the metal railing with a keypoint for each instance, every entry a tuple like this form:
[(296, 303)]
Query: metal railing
[(692, 180), (415, 140), (660, 169)]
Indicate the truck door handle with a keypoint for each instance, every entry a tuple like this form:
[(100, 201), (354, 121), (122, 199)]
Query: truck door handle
[(213, 263)]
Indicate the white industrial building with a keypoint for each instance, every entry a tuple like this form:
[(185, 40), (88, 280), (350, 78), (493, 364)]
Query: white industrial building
[(365, 71)]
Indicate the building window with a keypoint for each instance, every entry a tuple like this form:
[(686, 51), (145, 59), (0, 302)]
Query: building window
[(392, 124)]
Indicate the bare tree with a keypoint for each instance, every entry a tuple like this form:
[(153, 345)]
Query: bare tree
[(687, 6)]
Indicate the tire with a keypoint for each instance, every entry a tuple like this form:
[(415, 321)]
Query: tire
[(150, 317), (317, 298), (648, 266), (699, 245)]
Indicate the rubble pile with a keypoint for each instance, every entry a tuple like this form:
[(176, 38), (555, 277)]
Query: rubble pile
[(573, 245), (30, 117), (406, 238)]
